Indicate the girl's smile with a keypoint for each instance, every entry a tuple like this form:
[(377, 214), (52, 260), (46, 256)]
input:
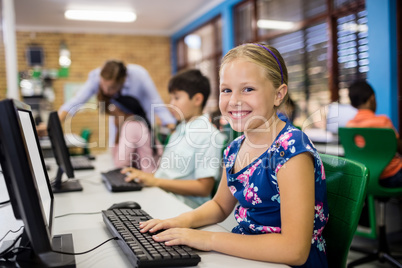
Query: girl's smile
[(239, 114)]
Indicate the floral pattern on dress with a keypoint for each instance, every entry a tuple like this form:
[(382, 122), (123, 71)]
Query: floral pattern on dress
[(250, 191), (232, 189), (242, 215), (256, 188), (251, 195), (231, 160), (275, 197)]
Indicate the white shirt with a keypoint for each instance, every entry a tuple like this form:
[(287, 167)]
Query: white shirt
[(194, 151)]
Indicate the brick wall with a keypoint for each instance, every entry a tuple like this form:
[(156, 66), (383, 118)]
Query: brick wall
[(89, 51)]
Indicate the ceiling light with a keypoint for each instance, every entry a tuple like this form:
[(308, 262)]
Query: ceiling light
[(93, 15), (193, 41), (275, 24)]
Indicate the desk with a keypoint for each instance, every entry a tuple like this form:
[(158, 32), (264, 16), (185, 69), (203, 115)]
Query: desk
[(89, 230)]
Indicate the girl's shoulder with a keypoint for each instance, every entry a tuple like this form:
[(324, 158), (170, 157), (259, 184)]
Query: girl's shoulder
[(292, 141)]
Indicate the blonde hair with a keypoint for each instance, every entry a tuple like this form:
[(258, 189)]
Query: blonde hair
[(274, 66)]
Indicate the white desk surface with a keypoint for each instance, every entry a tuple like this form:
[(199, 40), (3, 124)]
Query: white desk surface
[(89, 230)]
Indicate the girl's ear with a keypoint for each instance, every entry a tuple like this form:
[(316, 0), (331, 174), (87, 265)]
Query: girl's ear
[(280, 94)]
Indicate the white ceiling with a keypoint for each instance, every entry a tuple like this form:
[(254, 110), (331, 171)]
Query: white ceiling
[(154, 17)]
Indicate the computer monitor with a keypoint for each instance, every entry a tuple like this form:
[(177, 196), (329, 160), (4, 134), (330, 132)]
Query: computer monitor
[(62, 156), (29, 188)]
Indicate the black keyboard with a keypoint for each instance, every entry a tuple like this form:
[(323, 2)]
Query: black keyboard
[(115, 182), (81, 163), (140, 248)]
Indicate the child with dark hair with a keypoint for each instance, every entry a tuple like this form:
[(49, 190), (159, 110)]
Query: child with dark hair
[(192, 82), (362, 97), (190, 163), (135, 146)]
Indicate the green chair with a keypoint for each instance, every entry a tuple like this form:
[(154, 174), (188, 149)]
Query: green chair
[(84, 150), (347, 182), (86, 135), (379, 148)]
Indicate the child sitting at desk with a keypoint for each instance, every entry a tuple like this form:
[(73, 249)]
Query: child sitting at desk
[(190, 163), (362, 97), (273, 171), (134, 146)]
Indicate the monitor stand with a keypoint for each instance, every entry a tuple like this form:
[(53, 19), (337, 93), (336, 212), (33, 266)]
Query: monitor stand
[(63, 243), (63, 187)]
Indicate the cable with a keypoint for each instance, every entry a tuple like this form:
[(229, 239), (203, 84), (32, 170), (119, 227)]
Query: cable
[(9, 249), (8, 253), (11, 231), (4, 202), (85, 252), (78, 213)]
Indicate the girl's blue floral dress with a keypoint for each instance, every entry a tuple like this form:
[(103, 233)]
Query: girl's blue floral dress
[(256, 189)]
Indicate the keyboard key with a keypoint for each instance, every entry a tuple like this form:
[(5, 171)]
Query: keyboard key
[(140, 248)]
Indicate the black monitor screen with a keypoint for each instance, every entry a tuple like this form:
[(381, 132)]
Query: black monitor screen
[(29, 187), (62, 156), (25, 173)]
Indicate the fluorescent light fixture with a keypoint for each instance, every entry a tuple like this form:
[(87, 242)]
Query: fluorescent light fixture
[(193, 41), (275, 24), (93, 15)]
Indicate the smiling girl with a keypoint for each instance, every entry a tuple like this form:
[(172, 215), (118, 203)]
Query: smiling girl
[(272, 172)]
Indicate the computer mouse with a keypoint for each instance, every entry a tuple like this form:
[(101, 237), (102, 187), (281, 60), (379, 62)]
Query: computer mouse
[(127, 204)]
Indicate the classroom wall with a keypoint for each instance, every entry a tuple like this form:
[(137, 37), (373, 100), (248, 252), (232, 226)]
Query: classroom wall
[(89, 51), (383, 74), (382, 52)]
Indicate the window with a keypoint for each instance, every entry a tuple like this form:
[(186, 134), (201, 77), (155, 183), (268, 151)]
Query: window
[(244, 26), (352, 51), (202, 49), (324, 45)]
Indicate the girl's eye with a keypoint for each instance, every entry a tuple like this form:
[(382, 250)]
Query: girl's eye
[(226, 90), (248, 89)]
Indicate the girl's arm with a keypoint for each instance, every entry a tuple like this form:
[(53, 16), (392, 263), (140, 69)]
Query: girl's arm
[(291, 246), (196, 187)]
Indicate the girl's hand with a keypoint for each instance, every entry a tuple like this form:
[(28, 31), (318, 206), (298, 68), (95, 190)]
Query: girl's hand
[(155, 225), (139, 176), (201, 240)]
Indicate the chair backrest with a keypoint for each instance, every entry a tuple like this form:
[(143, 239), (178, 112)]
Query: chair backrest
[(347, 182), (380, 145), (86, 135)]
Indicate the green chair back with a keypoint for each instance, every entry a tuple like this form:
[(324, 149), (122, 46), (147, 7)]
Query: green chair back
[(379, 148), (347, 182), (86, 135)]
